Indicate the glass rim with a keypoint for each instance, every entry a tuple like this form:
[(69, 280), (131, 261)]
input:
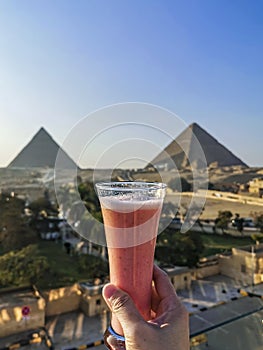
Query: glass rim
[(130, 185)]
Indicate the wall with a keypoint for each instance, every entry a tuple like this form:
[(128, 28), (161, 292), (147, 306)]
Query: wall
[(62, 300), (242, 266), (92, 305), (11, 318), (206, 271), (182, 281)]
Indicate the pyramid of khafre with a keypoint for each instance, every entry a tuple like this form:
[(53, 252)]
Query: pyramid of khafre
[(192, 139), (41, 152)]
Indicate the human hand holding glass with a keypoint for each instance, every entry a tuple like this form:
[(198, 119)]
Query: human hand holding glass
[(131, 213), (168, 327)]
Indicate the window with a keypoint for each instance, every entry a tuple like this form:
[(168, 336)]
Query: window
[(185, 278), (98, 302), (243, 268)]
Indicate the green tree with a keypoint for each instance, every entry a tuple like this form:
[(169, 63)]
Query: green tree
[(93, 266), (24, 266), (223, 219), (89, 196), (15, 231), (179, 249), (257, 237)]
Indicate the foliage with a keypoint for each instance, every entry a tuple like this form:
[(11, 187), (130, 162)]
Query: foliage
[(179, 249), (217, 243), (25, 266), (89, 196), (257, 237), (48, 266), (93, 266), (67, 269), (223, 219), (15, 232), (258, 219), (43, 207), (179, 184)]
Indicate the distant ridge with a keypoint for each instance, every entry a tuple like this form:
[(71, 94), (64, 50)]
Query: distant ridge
[(41, 152), (215, 152)]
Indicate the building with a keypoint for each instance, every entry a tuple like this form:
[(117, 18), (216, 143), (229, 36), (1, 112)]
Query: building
[(243, 264), (21, 309), (256, 186), (181, 276)]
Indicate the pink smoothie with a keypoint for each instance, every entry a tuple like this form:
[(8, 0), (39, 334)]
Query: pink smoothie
[(131, 265)]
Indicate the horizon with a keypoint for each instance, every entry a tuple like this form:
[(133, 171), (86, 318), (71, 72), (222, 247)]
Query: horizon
[(62, 61), (42, 128)]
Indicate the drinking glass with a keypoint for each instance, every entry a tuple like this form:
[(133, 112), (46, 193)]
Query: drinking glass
[(131, 213)]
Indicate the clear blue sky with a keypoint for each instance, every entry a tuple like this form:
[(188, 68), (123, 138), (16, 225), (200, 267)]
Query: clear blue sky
[(202, 59)]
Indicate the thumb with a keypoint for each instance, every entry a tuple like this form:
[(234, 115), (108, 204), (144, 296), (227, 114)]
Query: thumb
[(121, 304)]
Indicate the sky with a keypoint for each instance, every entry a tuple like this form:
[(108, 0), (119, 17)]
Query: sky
[(61, 60)]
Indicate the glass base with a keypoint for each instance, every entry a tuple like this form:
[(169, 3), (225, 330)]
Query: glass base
[(114, 341)]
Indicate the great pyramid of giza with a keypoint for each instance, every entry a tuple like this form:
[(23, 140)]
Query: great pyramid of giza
[(213, 151), (41, 152)]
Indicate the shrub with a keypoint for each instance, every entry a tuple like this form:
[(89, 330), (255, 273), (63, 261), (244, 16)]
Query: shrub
[(22, 267)]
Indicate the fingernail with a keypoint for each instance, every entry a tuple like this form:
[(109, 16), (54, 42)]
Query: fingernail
[(109, 290)]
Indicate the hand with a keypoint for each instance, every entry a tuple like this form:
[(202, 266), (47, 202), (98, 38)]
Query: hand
[(169, 326)]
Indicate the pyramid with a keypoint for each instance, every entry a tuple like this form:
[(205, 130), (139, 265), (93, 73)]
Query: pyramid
[(41, 152), (214, 152)]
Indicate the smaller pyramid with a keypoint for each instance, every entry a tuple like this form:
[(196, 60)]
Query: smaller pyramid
[(41, 152), (214, 152)]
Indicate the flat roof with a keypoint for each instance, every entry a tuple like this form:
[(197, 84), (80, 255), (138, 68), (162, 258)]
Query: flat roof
[(218, 316), (11, 297), (176, 270), (256, 290)]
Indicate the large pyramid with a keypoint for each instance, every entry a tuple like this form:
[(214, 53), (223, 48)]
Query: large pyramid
[(213, 151), (41, 152)]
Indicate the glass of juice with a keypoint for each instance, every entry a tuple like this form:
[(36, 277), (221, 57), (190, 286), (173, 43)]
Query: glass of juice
[(131, 213)]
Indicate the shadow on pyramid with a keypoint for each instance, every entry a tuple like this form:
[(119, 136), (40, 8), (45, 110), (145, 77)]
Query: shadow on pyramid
[(41, 152), (214, 152)]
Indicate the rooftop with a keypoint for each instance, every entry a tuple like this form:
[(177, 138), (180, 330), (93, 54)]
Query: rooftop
[(257, 249), (19, 297), (209, 292), (233, 325)]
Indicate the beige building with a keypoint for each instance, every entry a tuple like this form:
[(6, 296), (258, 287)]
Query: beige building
[(84, 296), (20, 310), (256, 186), (92, 302), (243, 264), (62, 300), (181, 277), (24, 309)]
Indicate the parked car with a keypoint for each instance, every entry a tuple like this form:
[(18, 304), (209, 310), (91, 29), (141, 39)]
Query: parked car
[(246, 222)]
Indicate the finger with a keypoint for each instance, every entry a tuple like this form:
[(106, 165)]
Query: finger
[(122, 306), (163, 285), (155, 301)]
